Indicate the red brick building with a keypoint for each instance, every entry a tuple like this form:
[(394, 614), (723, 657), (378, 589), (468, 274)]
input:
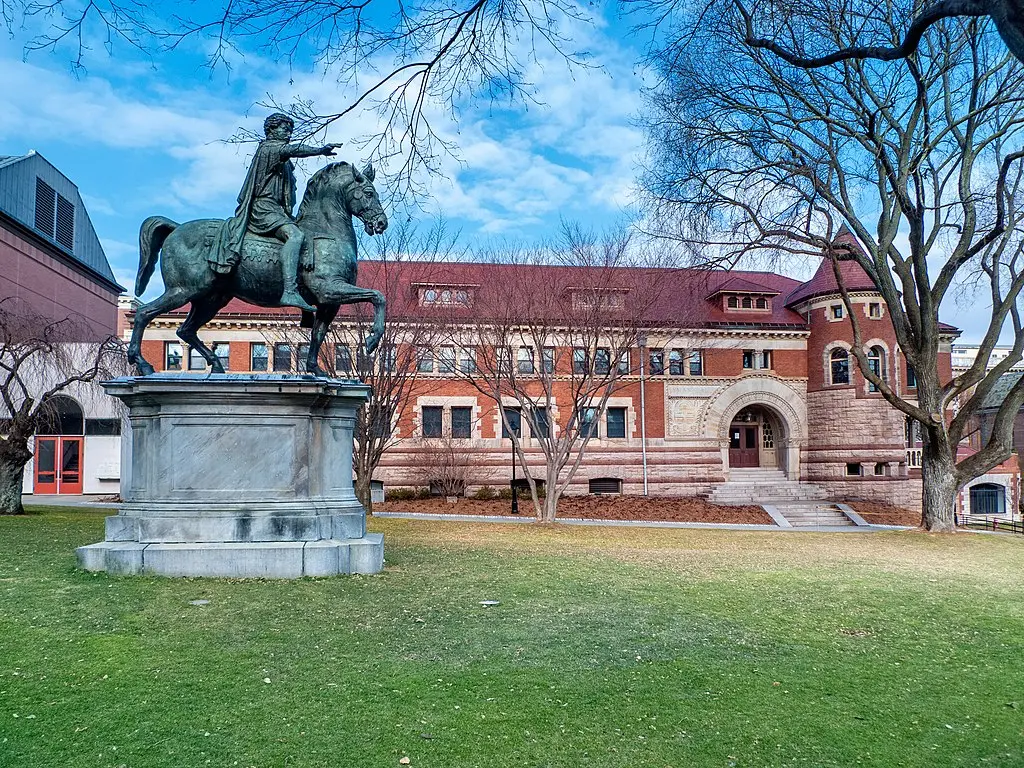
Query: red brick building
[(739, 376)]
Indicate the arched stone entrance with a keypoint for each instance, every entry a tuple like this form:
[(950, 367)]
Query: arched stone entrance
[(755, 434), (763, 400)]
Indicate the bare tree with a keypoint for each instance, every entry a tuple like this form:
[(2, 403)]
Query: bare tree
[(402, 60), (447, 465), (917, 157), (551, 335), (39, 359), (403, 256)]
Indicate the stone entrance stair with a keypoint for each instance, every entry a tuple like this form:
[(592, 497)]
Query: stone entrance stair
[(764, 486), (808, 514)]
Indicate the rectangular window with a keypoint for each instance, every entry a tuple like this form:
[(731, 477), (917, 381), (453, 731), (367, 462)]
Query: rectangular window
[(875, 366), (301, 355), (675, 362), (172, 356), (656, 359), (840, 368), (282, 357), (524, 360), (196, 362), (547, 360), (911, 376), (623, 367), (588, 422), (467, 360), (748, 359), (432, 417), (258, 357), (540, 424), (504, 361), (766, 359), (446, 360), (696, 362), (425, 361), (103, 427), (579, 360), (880, 469), (515, 421), (462, 421), (837, 311), (342, 359), (874, 310), (222, 350), (389, 358), (853, 470), (616, 422), (602, 362)]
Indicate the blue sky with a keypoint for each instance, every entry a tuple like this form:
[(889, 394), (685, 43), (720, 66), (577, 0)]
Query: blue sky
[(144, 136)]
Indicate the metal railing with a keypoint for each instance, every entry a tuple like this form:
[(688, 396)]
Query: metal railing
[(987, 523)]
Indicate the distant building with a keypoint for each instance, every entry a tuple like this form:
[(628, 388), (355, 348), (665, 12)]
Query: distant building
[(745, 382), (52, 260), (964, 356)]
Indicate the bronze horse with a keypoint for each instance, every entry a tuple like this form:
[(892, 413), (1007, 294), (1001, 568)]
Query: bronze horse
[(327, 276)]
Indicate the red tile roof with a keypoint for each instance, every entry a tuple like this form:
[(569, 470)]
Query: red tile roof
[(672, 297)]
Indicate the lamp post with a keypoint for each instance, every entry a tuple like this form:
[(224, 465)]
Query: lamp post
[(515, 491)]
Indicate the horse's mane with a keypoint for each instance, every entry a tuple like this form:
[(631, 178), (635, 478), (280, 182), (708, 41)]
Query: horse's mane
[(335, 174)]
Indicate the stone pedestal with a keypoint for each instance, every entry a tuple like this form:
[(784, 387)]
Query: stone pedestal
[(236, 475)]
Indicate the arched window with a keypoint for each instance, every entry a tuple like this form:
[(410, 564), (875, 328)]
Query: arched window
[(839, 362), (62, 415), (747, 302), (876, 363), (732, 303), (988, 499)]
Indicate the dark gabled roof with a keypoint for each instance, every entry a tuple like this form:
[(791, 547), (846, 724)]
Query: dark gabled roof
[(739, 285)]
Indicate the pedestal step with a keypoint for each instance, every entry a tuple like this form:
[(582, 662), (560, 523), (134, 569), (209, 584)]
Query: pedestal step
[(267, 560)]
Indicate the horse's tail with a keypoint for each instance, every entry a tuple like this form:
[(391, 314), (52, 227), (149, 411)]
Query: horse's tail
[(152, 234)]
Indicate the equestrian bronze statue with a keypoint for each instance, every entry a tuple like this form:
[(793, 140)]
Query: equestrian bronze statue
[(264, 256)]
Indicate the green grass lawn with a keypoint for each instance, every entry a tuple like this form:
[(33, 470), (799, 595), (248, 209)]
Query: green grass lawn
[(611, 647)]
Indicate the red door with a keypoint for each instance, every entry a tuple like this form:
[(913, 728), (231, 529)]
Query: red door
[(58, 464), (46, 464), (743, 446)]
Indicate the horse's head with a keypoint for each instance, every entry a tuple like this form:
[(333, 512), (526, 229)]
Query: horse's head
[(363, 201), (342, 185)]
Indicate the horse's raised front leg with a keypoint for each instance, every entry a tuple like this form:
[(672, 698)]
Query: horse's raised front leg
[(344, 293), (144, 315), (325, 314), (203, 310)]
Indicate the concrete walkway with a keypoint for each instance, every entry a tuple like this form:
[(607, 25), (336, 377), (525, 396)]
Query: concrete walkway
[(639, 523), (94, 501)]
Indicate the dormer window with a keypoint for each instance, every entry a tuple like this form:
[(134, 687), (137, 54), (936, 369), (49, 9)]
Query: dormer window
[(445, 295), (737, 303), (598, 298)]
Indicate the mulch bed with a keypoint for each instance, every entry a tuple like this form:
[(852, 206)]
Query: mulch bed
[(879, 513), (652, 508)]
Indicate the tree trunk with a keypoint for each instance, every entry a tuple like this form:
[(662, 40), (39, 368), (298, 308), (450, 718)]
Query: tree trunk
[(363, 492), (941, 484), (14, 455)]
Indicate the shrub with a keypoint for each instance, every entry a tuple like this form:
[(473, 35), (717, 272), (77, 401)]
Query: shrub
[(423, 493), (485, 493), (505, 493), (400, 494)]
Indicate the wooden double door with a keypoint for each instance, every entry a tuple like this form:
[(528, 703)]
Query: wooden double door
[(744, 445), (58, 464)]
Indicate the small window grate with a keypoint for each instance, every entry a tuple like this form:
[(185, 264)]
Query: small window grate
[(65, 223), (46, 207), (606, 485)]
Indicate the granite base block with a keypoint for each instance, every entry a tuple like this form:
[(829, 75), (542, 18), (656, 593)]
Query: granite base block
[(265, 560)]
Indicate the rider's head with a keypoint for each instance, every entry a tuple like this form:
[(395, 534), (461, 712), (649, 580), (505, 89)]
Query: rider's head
[(278, 125)]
